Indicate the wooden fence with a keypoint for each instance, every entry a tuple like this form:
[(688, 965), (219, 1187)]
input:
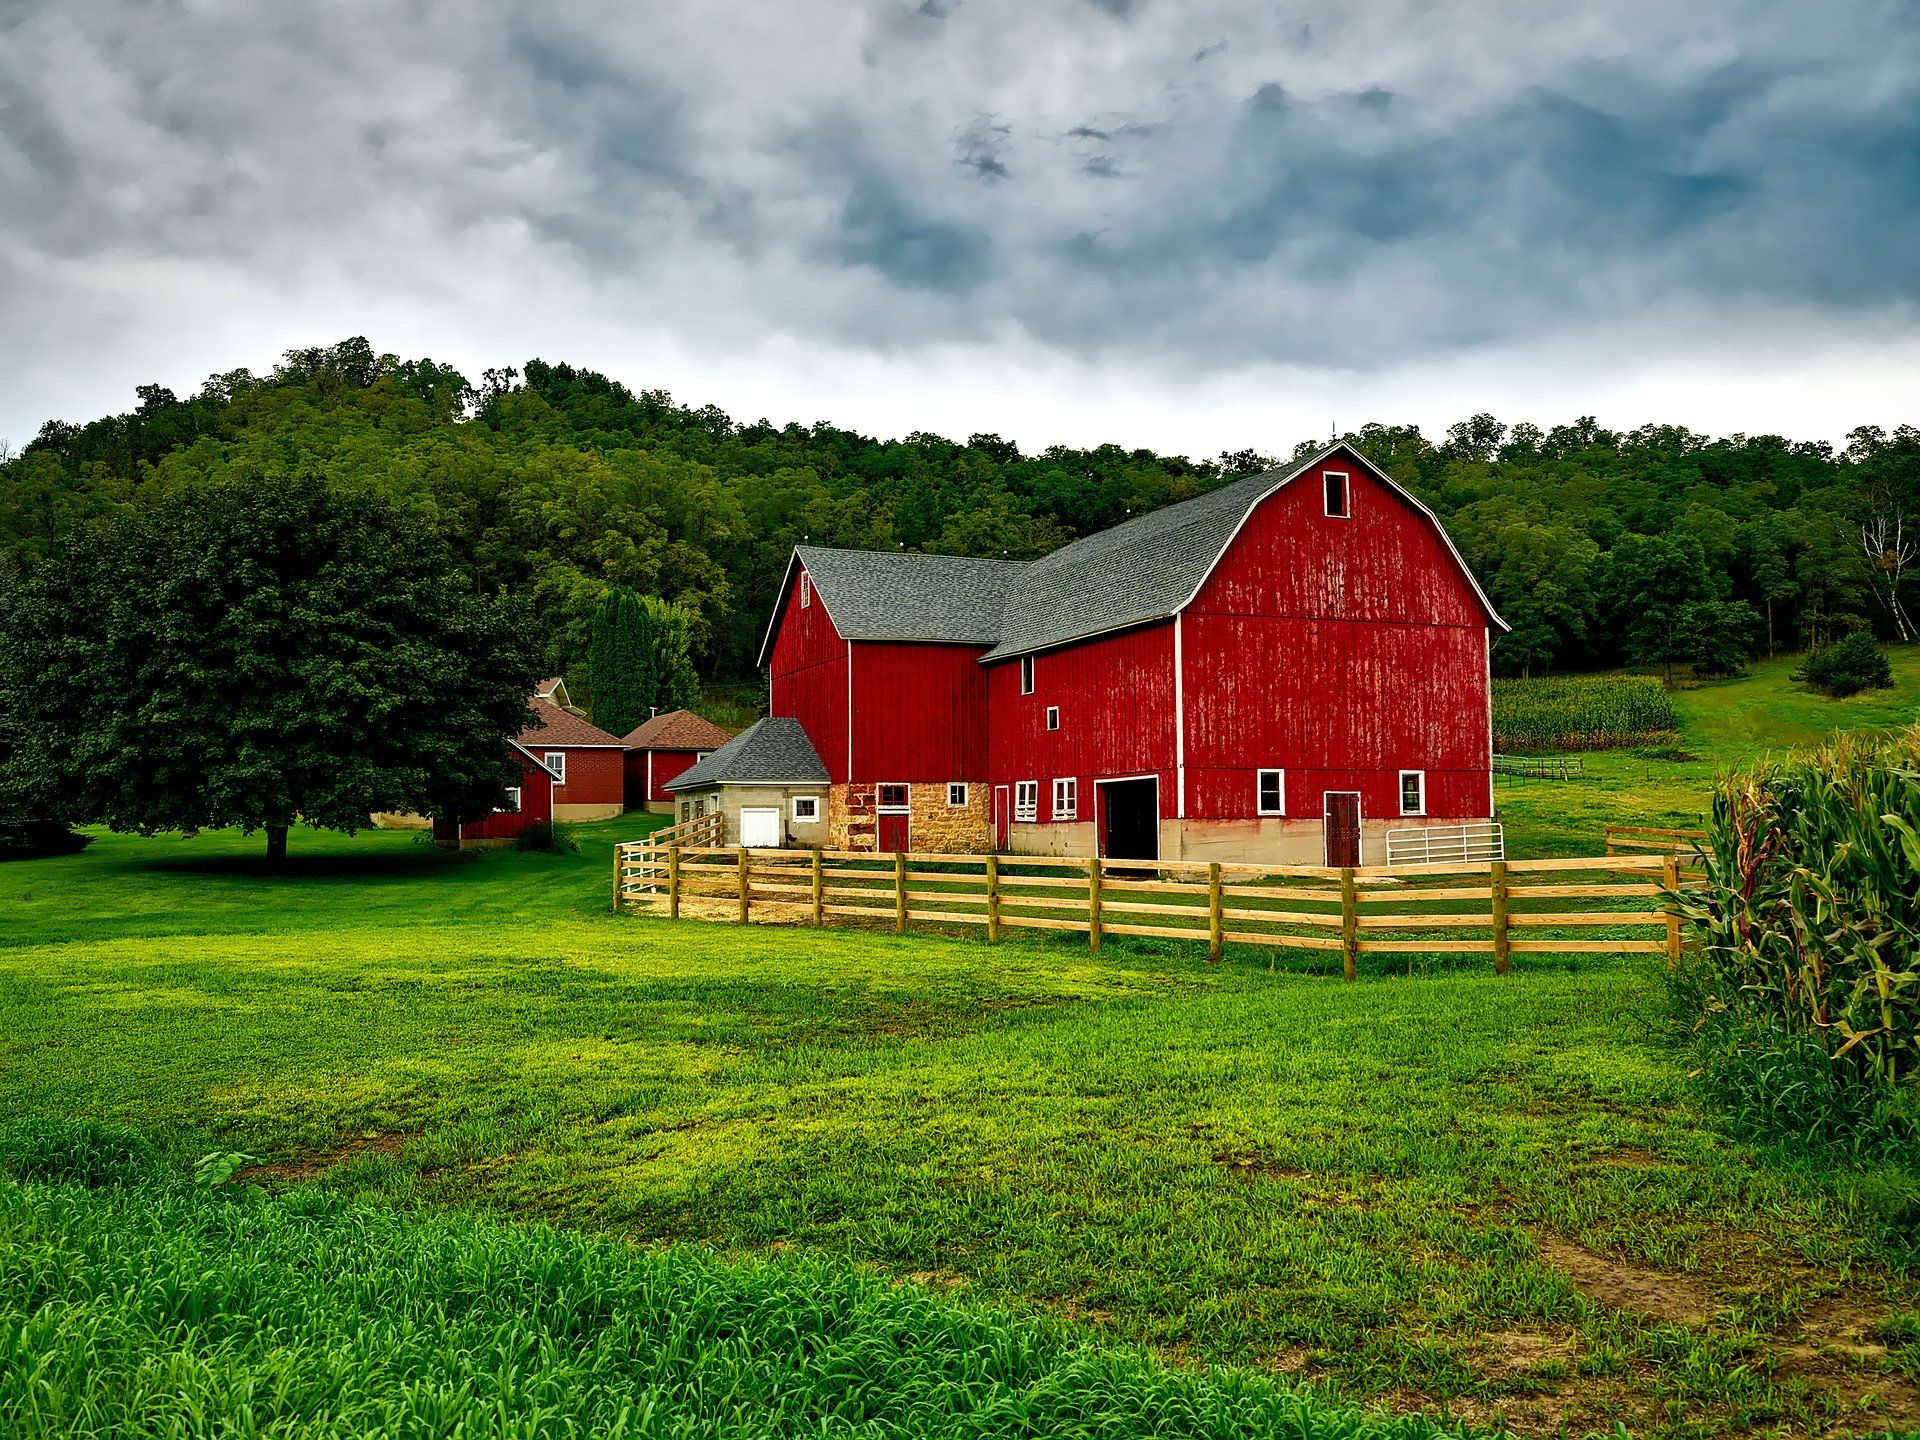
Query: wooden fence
[(1651, 839), (1508, 908), (1540, 767)]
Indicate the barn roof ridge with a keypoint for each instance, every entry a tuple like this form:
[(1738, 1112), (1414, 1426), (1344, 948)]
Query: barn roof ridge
[(677, 730), (1146, 568), (774, 750)]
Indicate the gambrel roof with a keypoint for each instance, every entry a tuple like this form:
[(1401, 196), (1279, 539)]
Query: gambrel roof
[(1145, 569), (773, 751)]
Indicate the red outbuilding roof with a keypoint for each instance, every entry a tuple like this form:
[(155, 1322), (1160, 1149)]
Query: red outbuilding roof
[(678, 730), (557, 729)]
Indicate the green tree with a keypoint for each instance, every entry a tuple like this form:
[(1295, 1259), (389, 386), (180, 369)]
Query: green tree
[(256, 653), (1643, 584), (1715, 637), (617, 661), (667, 678)]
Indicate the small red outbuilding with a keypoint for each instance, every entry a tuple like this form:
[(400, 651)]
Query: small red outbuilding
[(588, 764), (529, 802), (662, 749)]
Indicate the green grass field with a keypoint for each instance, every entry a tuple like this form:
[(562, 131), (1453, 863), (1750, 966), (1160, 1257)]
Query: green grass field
[(1474, 1197)]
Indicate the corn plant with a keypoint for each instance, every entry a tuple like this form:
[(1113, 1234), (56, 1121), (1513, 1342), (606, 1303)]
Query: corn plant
[(1808, 931), (1580, 712)]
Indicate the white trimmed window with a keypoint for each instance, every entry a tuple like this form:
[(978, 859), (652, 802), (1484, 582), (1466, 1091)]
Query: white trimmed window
[(805, 808), (556, 763), (1066, 799), (1026, 674), (806, 590), (1026, 800), (893, 797), (1413, 792), (1053, 717), (1270, 792), (1339, 503), (956, 795), (512, 807)]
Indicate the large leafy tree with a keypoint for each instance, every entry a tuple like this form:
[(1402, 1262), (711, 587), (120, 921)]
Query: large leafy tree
[(667, 679), (30, 821), (265, 652)]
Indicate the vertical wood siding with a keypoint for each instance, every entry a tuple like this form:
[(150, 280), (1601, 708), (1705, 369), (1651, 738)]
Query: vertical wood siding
[(1115, 695), (536, 805), (808, 677), (1342, 651), (919, 713)]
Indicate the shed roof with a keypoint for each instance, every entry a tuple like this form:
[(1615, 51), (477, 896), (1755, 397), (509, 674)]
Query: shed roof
[(677, 730), (902, 595), (556, 729), (774, 751)]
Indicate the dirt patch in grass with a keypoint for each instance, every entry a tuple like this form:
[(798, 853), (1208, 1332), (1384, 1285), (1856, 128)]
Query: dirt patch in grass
[(1622, 1285), (312, 1164)]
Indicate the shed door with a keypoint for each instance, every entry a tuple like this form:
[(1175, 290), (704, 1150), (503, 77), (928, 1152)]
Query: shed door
[(760, 828), (1002, 818), (1342, 825)]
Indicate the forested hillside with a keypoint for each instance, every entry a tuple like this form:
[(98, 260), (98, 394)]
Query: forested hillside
[(1650, 547)]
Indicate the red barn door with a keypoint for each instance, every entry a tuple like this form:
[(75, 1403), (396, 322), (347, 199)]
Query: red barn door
[(1342, 826), (1002, 818), (894, 826)]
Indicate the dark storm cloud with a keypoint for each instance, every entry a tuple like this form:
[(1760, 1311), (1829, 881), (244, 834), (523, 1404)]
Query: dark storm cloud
[(1192, 186)]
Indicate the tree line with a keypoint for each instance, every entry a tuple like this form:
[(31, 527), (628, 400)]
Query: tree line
[(558, 487)]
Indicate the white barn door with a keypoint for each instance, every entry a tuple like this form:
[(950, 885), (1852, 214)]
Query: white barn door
[(760, 828)]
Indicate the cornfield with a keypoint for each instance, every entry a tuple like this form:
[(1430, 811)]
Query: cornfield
[(1580, 712), (1805, 986)]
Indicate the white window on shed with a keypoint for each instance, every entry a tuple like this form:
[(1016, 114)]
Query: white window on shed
[(806, 808), (556, 763), (512, 807)]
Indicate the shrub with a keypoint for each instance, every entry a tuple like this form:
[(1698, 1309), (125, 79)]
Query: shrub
[(548, 838), (1847, 666), (81, 1152), (1803, 992), (1580, 712)]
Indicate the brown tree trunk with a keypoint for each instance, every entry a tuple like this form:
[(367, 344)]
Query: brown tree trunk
[(276, 844)]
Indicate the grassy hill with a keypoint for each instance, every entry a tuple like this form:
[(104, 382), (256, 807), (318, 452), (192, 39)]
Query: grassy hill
[(1453, 1193), (1724, 724)]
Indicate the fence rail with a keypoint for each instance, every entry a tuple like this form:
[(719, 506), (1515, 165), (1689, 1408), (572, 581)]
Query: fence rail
[(1503, 909), (1534, 767), (1652, 839), (644, 863)]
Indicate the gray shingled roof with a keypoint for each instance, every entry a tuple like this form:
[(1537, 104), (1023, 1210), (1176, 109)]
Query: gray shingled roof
[(1142, 569), (775, 751), (898, 595)]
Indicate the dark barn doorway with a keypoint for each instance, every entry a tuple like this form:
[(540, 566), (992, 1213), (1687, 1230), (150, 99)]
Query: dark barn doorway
[(1130, 819)]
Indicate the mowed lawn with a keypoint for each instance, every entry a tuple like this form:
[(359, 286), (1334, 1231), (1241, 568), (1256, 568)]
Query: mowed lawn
[(1478, 1196)]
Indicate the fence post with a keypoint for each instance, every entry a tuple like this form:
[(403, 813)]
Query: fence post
[(1093, 903), (1349, 924), (819, 894), (1501, 952), (1670, 877), (900, 891), (673, 881), (616, 880), (1213, 913), (993, 897), (746, 887)]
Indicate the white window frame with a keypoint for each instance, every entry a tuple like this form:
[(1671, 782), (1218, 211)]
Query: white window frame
[(1346, 494), (1066, 798), (1026, 675), (556, 763), (806, 590), (1259, 791), (1026, 801), (956, 794), (1421, 776), (512, 807), (1053, 717), (812, 815), (885, 809)]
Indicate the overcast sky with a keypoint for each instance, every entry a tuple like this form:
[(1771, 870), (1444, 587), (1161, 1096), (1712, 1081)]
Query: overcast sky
[(1191, 224)]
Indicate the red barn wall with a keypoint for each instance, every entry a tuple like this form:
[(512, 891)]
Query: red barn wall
[(1115, 695), (1341, 650), (919, 713), (807, 670), (667, 765), (536, 806)]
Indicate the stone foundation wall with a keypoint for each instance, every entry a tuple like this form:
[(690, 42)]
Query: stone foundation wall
[(934, 826)]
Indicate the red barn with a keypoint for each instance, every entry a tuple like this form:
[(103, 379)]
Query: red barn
[(588, 765), (1285, 668), (529, 802), (662, 748)]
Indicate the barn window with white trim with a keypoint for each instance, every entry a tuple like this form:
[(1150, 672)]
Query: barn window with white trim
[(806, 807), (1066, 799), (1413, 792), (806, 590), (1270, 792), (956, 795), (1053, 717), (1338, 504), (512, 807), (556, 763), (1026, 800)]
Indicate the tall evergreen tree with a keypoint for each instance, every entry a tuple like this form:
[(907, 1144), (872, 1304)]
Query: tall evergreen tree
[(616, 668)]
